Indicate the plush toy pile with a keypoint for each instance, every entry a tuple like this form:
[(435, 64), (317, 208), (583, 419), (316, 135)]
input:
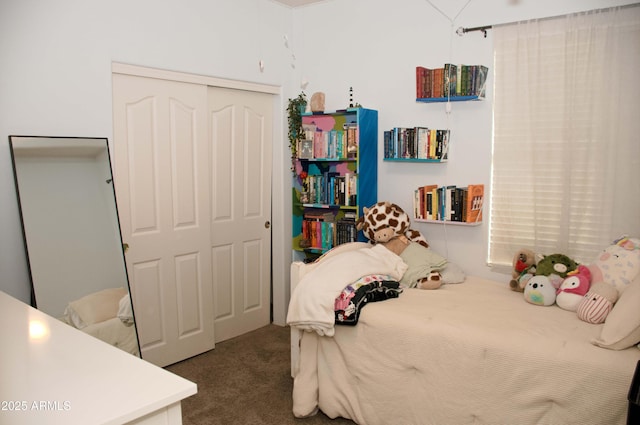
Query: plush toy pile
[(386, 223), (524, 261), (589, 290), (612, 273)]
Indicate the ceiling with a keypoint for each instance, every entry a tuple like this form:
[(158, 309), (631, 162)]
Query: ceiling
[(296, 3)]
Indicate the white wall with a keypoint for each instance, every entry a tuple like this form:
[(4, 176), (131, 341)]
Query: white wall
[(56, 69), (375, 48), (55, 77)]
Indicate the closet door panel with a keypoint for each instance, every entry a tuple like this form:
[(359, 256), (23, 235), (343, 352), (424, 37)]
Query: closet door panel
[(151, 331), (222, 159), (162, 184), (224, 277), (193, 180), (188, 282), (240, 140), (142, 152)]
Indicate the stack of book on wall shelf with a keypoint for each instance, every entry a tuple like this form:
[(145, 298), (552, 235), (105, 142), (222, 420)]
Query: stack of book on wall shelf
[(321, 231), (416, 144), (317, 231), (331, 188), (459, 205), (451, 82), (327, 145), (346, 229)]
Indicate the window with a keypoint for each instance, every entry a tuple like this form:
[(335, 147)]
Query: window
[(566, 145)]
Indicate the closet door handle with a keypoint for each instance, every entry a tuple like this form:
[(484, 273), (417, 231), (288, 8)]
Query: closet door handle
[(267, 224)]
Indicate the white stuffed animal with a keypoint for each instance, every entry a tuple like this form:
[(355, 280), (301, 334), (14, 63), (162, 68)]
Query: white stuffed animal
[(618, 264), (540, 291)]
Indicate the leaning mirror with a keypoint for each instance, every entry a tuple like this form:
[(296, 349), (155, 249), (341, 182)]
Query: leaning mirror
[(72, 235)]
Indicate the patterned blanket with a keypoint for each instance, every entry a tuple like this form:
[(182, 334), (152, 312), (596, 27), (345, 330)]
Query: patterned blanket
[(312, 303), (365, 290)]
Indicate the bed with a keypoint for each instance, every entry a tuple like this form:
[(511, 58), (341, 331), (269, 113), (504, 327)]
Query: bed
[(468, 353)]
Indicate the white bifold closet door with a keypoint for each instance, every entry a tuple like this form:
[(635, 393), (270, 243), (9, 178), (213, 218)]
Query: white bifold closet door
[(192, 171)]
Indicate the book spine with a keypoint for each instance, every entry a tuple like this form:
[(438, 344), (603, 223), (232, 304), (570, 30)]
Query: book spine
[(481, 79), (449, 79), (475, 200), (420, 77)]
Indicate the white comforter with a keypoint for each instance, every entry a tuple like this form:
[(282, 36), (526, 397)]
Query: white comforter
[(312, 302), (473, 353)]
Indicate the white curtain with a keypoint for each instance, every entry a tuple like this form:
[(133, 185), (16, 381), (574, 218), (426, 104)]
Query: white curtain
[(566, 145)]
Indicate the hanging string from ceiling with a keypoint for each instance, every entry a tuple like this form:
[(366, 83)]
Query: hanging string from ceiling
[(448, 104), (460, 31), (452, 20)]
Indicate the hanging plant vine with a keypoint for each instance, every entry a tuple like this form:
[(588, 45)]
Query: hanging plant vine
[(295, 109)]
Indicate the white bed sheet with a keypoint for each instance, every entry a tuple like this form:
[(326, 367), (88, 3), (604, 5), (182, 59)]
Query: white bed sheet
[(473, 353)]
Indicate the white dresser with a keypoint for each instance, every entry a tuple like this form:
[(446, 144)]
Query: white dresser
[(51, 373)]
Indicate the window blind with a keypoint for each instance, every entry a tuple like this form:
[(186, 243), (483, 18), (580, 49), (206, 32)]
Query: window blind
[(566, 154)]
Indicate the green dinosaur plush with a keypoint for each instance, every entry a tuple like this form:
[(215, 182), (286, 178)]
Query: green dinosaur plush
[(556, 267)]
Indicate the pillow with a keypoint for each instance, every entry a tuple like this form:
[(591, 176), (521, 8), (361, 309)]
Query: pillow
[(452, 273), (95, 308), (618, 264), (621, 328), (420, 261)]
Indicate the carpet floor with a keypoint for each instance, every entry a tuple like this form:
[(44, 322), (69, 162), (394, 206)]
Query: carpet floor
[(244, 381)]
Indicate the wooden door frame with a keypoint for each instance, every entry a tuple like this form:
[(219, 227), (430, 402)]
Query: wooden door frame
[(280, 186)]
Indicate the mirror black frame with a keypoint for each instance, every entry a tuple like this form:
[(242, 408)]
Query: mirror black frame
[(15, 138)]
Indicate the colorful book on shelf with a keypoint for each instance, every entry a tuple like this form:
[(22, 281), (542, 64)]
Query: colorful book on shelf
[(438, 82), (305, 146), (444, 144), (449, 203), (309, 130), (424, 82), (428, 83), (442, 198), (464, 81), (449, 197), (450, 78), (481, 79), (416, 143), (386, 143), (422, 202), (422, 142), (432, 142), (420, 81), (351, 130), (318, 143), (457, 204), (463, 203), (435, 194), (350, 189), (310, 227), (475, 199), (345, 229)]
